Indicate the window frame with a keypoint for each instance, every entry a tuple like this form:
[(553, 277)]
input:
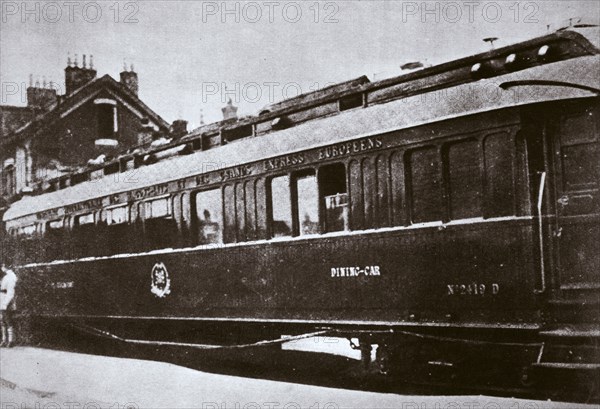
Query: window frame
[(270, 221), (142, 206), (105, 211), (196, 220)]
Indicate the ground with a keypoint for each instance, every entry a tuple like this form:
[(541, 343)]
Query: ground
[(47, 379)]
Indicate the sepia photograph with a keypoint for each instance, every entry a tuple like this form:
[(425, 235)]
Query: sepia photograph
[(312, 204)]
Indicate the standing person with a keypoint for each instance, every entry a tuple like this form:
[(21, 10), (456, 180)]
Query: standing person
[(7, 306)]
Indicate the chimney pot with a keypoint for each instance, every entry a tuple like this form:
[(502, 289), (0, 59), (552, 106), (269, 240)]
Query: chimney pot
[(40, 97), (76, 77), (130, 80)]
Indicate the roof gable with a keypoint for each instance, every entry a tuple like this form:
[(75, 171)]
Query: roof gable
[(67, 104)]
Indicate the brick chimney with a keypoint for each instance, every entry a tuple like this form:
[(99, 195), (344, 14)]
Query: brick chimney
[(229, 111), (179, 128), (76, 76), (40, 96), (130, 79)]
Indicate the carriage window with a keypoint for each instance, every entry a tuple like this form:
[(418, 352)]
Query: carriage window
[(308, 204), (157, 208), (209, 213), (55, 224), (85, 219), (28, 246), (27, 230), (240, 211), (116, 215), (55, 236), (499, 179), (117, 237), (229, 218), (281, 207), (85, 235), (251, 229), (579, 128), (579, 153), (332, 181), (159, 227), (464, 179), (426, 185)]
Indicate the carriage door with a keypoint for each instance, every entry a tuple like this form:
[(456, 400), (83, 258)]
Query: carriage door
[(577, 231)]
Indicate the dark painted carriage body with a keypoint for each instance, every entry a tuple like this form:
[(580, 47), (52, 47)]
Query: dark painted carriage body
[(444, 183)]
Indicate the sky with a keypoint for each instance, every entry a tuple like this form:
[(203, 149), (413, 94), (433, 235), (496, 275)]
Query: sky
[(192, 56)]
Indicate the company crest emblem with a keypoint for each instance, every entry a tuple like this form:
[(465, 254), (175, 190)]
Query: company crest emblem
[(161, 283)]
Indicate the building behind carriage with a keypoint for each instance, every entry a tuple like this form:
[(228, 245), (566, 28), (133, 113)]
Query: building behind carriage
[(94, 120)]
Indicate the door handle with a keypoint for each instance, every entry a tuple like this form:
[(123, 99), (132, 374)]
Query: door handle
[(541, 234)]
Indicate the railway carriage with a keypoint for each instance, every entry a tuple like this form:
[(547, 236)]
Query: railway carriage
[(449, 215)]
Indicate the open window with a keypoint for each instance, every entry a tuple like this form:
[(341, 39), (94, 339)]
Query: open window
[(307, 200), (28, 243), (84, 235), (117, 229), (209, 216), (107, 118), (307, 203), (334, 197), (160, 228), (281, 207), (55, 239)]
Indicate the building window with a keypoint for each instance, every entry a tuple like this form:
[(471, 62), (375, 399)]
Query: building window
[(9, 180), (107, 118), (209, 214)]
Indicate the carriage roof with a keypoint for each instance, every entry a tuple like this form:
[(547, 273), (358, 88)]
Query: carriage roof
[(571, 79)]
